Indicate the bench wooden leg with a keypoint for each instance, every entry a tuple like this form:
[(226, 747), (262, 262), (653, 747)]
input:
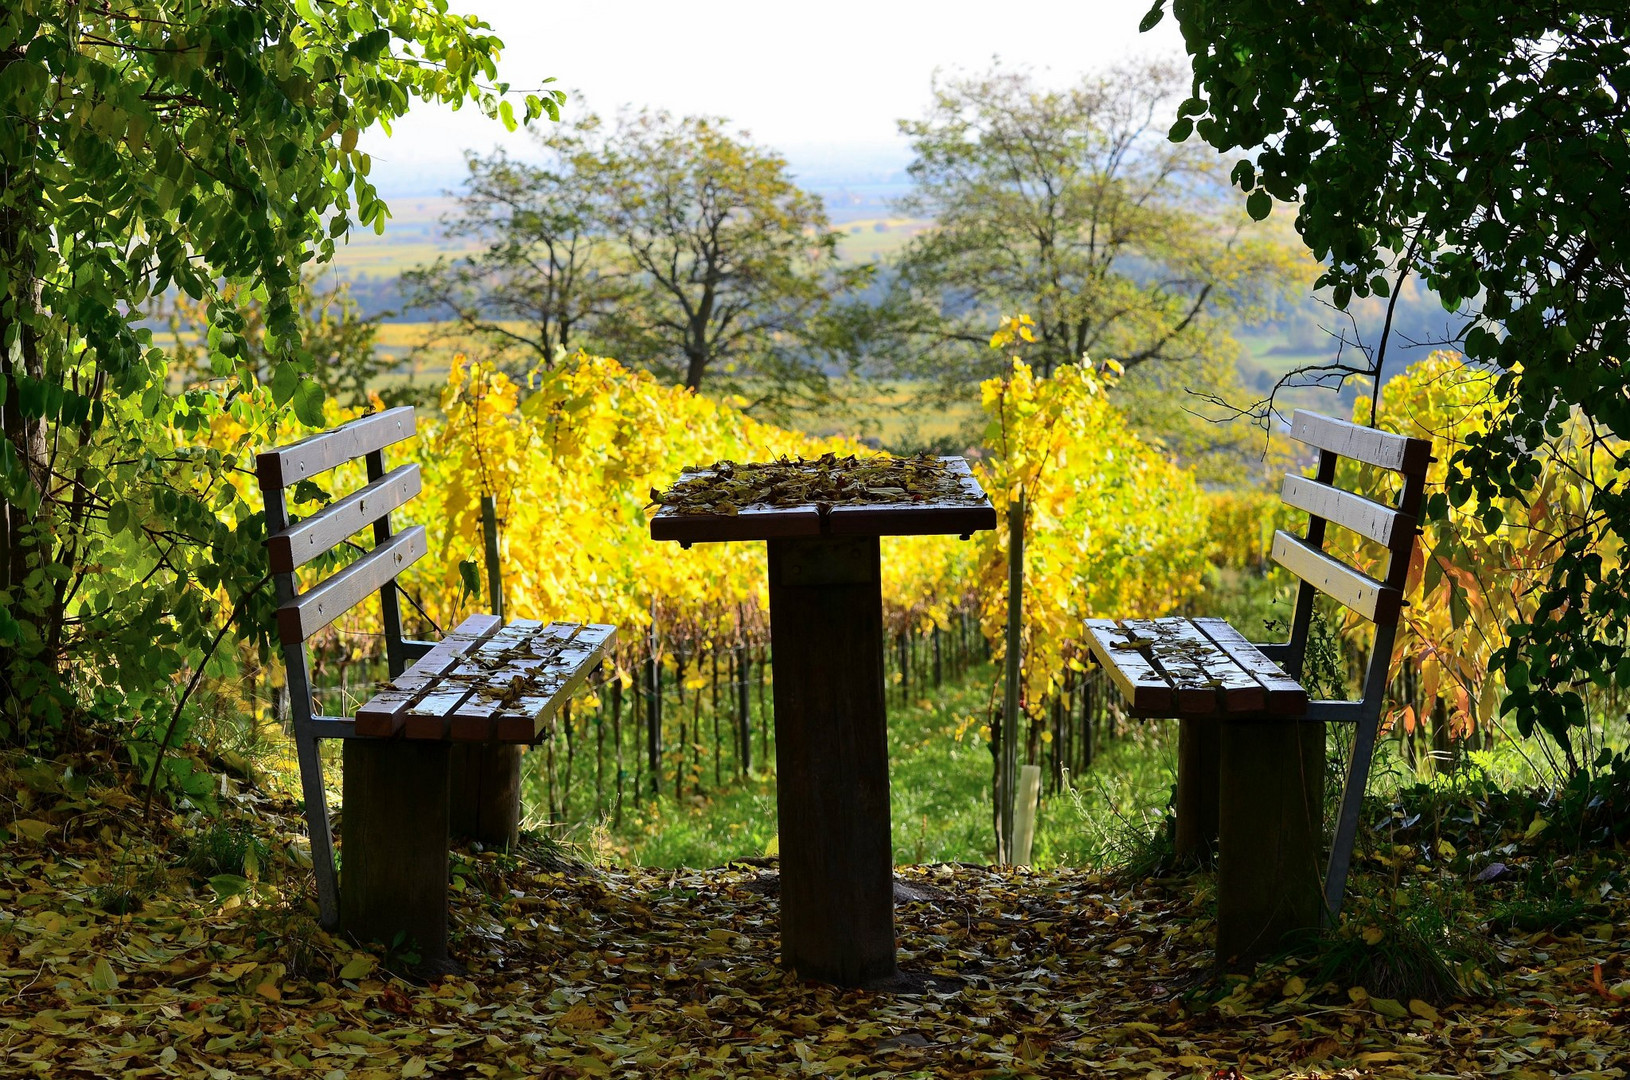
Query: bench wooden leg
[(485, 800), (1271, 803), (831, 753), (394, 875), (1199, 745)]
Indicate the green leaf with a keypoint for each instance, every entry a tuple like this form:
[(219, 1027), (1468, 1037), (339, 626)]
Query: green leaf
[(308, 403), (227, 886), (307, 491), (285, 381), (1152, 19), (469, 573), (1259, 205), (103, 977)]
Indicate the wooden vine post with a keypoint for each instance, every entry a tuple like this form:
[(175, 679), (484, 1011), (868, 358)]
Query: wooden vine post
[(1007, 786)]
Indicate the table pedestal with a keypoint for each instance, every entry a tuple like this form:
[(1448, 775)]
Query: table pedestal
[(837, 863)]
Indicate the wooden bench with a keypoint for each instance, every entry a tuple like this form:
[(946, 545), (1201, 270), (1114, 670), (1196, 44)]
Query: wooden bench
[(442, 741), (1251, 753)]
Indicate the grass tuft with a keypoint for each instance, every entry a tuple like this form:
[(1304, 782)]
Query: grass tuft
[(226, 847)]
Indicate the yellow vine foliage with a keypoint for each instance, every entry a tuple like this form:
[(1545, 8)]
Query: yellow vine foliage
[(1113, 526), (571, 468), (1241, 524), (1475, 573)]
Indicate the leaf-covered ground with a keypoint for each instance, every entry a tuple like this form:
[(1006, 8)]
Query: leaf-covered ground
[(576, 971)]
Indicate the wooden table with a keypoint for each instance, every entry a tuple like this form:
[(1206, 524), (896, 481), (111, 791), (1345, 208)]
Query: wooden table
[(831, 756)]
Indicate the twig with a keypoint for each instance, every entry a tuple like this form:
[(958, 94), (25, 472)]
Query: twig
[(197, 677)]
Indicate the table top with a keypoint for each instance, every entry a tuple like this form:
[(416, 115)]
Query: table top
[(972, 513)]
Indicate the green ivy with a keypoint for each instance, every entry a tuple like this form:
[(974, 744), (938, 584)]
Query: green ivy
[(1484, 145), (193, 146)]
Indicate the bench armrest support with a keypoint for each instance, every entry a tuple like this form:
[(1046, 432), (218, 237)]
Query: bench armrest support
[(1336, 712), (1278, 652), (327, 727), (416, 649)]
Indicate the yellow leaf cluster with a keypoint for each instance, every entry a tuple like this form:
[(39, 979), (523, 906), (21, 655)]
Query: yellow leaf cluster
[(572, 466), (1113, 527)]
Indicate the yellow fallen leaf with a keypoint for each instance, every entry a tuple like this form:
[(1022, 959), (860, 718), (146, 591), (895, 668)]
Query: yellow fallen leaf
[(269, 991), (415, 1067), (1295, 986), (357, 967), (34, 830), (103, 977), (1373, 935), (1423, 1010), (1389, 1007), (1535, 827)]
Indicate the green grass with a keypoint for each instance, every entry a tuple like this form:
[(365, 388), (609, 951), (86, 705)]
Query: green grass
[(940, 783)]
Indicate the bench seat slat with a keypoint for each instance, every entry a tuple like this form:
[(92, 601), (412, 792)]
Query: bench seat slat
[(1369, 445), (473, 721), (287, 465), (1192, 693), (1285, 695), (524, 721), (431, 715), (329, 527), (382, 716), (1210, 680), (1355, 590), (314, 609), (1370, 519), (1144, 688)]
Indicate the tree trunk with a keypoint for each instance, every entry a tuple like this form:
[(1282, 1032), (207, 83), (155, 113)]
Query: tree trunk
[(19, 204)]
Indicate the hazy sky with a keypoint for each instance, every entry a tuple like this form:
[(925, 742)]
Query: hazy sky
[(807, 79)]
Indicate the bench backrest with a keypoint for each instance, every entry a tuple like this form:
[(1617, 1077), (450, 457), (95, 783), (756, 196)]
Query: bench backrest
[(1394, 526), (302, 614)]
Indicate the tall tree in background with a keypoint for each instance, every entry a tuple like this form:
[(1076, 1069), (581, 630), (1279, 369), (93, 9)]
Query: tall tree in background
[(545, 274), (1063, 204), (211, 147), (733, 260), (1483, 146)]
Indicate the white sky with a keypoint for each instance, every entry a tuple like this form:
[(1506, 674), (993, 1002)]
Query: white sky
[(806, 79)]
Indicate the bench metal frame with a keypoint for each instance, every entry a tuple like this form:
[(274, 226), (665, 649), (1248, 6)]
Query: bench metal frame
[(301, 615), (1396, 527), (1236, 704)]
